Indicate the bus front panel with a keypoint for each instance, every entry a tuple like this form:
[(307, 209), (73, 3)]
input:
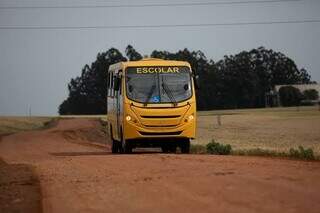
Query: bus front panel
[(159, 102)]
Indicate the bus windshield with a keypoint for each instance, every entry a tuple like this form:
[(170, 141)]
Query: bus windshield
[(158, 84)]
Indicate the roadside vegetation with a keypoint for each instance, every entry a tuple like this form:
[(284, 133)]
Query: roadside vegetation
[(215, 148), (218, 149), (14, 124), (272, 129)]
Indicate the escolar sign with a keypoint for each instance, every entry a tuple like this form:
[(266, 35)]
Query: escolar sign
[(158, 70), (155, 70), (141, 70)]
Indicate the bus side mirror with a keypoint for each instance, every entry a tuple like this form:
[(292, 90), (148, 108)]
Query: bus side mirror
[(196, 81), (117, 83)]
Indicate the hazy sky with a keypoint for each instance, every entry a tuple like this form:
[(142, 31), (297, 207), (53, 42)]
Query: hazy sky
[(36, 65)]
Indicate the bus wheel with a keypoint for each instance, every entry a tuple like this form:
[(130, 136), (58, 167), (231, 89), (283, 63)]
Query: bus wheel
[(115, 147), (127, 149), (126, 146), (185, 146)]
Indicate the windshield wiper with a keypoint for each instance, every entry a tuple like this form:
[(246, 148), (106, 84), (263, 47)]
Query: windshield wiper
[(149, 95), (169, 93)]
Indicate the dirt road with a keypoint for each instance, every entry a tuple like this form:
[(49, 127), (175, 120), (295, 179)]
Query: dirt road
[(78, 176)]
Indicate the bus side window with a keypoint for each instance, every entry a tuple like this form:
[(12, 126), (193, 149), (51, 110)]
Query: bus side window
[(120, 88), (108, 85), (111, 85), (120, 81)]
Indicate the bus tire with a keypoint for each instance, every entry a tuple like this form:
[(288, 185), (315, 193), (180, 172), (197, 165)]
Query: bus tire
[(126, 146), (185, 146), (115, 147)]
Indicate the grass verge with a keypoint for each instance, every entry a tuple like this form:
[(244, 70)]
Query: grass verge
[(10, 125), (301, 153)]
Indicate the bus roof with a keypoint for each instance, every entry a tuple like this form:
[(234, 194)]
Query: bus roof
[(148, 62)]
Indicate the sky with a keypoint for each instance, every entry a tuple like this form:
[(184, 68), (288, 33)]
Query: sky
[(36, 65)]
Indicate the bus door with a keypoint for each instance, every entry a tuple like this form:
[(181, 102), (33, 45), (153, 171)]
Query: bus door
[(118, 104)]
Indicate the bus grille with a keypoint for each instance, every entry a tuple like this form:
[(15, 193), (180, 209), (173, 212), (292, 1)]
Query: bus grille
[(160, 116), (163, 126), (160, 133)]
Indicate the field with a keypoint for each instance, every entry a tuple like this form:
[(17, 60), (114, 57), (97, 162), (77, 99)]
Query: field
[(13, 124), (67, 166), (277, 129)]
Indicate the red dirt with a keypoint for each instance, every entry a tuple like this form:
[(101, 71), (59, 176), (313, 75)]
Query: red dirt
[(76, 176), (20, 189)]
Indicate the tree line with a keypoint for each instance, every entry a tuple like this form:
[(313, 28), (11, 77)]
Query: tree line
[(236, 81), (291, 96)]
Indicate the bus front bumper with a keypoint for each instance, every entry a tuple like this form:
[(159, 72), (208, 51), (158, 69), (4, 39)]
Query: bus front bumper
[(185, 130)]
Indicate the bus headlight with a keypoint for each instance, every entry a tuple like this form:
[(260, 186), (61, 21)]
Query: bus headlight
[(128, 118), (190, 117)]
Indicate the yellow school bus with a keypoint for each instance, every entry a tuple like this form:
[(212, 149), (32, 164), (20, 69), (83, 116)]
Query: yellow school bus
[(151, 103)]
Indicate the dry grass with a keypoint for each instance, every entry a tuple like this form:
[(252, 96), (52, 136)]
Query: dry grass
[(276, 129), (273, 129), (102, 117), (13, 124)]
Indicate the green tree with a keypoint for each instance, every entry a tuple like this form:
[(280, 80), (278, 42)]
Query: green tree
[(248, 76), (88, 93), (311, 94), (132, 54), (290, 96), (236, 81)]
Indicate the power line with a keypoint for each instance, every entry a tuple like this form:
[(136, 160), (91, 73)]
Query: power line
[(185, 4), (154, 26)]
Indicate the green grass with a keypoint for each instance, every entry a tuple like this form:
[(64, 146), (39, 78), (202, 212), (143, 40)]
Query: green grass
[(198, 149), (300, 153), (259, 152), (218, 149)]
